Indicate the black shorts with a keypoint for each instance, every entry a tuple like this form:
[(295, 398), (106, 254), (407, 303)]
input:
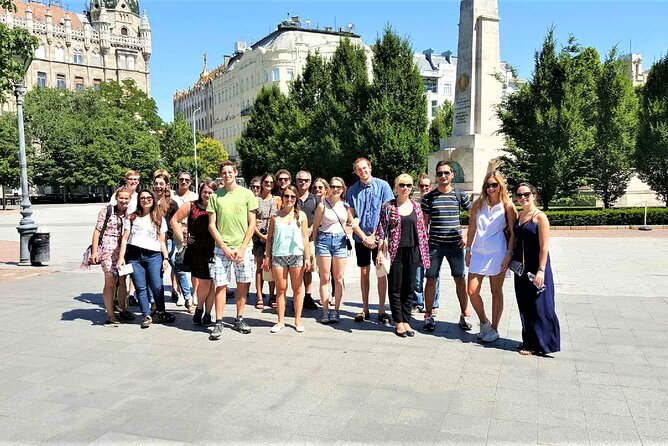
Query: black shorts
[(365, 255)]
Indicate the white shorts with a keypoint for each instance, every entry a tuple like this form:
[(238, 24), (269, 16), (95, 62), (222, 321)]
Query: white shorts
[(221, 269)]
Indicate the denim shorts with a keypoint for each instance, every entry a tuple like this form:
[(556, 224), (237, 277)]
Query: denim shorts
[(331, 245), (454, 255)]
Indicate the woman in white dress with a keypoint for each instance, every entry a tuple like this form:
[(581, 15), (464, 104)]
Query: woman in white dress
[(489, 249)]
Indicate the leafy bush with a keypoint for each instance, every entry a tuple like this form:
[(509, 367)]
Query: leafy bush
[(577, 200)]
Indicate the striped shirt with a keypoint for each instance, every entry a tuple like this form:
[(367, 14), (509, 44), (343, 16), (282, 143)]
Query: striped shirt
[(443, 211)]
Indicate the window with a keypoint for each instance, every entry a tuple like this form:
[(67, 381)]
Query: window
[(430, 84), (95, 59), (59, 54), (40, 52), (77, 57), (290, 74), (131, 62), (96, 84), (434, 109), (78, 83), (41, 79), (276, 75), (60, 81), (124, 31), (266, 76), (122, 61), (447, 89)]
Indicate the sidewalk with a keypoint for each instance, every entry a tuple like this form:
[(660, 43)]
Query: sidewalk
[(66, 378)]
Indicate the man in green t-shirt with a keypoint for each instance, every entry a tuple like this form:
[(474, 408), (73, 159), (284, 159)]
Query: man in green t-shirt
[(231, 212)]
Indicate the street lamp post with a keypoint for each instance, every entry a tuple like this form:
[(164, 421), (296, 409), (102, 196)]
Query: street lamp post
[(27, 226), (195, 148)]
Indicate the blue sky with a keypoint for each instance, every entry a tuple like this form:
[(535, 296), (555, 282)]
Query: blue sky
[(184, 29)]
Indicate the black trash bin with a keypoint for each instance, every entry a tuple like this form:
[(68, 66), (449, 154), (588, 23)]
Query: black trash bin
[(40, 248)]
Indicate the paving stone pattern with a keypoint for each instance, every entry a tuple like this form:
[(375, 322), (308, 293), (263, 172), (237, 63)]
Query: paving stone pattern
[(66, 378)]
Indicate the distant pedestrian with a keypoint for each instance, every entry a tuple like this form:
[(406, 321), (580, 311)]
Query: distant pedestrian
[(143, 246), (402, 228), (331, 218), (232, 224), (288, 253), (365, 199), (106, 246), (489, 246), (535, 298), (199, 250)]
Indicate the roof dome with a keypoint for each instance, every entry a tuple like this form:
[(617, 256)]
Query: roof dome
[(119, 5)]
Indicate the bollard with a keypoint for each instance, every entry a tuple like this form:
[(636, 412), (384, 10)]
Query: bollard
[(40, 248)]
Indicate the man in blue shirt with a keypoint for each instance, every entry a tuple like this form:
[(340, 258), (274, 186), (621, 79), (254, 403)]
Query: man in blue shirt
[(441, 208), (365, 199)]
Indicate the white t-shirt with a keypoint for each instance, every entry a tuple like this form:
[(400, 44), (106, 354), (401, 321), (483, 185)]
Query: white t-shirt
[(188, 196), (143, 232), (333, 219)]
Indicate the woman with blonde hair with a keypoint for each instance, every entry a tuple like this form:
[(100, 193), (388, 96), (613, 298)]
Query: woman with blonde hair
[(489, 245), (401, 228), (331, 217)]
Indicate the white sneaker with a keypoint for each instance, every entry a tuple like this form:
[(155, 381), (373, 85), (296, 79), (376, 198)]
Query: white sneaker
[(491, 336), (484, 328), (181, 301), (300, 328), (276, 328)]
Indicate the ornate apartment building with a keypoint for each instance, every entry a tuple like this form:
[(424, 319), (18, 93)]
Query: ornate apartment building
[(220, 101), (108, 41)]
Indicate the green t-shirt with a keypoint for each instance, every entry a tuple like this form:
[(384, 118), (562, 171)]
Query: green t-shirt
[(231, 209)]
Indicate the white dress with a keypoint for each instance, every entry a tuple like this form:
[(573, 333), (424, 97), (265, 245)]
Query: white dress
[(489, 246)]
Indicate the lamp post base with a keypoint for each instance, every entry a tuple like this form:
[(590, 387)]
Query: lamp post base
[(25, 234)]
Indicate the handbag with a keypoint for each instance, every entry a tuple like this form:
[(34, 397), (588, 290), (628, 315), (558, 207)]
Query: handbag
[(383, 269), (88, 253), (125, 270), (182, 259), (517, 267), (349, 245)]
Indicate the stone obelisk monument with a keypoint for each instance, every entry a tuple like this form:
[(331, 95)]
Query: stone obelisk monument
[(475, 142)]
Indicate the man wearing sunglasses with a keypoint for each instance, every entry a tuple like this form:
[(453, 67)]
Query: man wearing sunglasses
[(183, 195), (283, 180), (307, 203), (441, 208)]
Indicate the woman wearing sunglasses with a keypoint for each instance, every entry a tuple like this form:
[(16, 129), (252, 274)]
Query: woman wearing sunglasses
[(534, 289), (402, 229), (288, 253), (143, 245), (268, 206), (489, 249)]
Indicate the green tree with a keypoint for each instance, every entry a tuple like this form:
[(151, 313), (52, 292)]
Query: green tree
[(395, 125), (176, 145), (10, 170), (210, 153), (441, 125), (126, 96), (611, 155), (651, 154), (13, 41), (549, 123)]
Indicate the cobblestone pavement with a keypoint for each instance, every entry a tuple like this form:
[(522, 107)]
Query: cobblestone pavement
[(65, 377)]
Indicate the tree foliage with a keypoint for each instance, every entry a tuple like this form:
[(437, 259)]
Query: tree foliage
[(13, 41), (10, 170), (126, 96), (441, 125), (651, 154), (210, 153), (177, 149), (611, 155), (549, 123)]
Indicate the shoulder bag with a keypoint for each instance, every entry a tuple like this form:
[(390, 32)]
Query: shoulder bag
[(349, 245)]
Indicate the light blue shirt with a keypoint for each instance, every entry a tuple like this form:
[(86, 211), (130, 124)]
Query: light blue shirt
[(366, 200)]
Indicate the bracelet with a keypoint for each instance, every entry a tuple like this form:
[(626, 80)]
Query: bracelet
[(541, 269), (510, 251), (468, 249)]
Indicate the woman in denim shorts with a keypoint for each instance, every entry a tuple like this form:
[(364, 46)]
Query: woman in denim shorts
[(331, 217), (289, 251)]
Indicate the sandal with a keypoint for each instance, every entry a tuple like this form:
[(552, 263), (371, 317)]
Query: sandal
[(272, 302), (259, 304), (526, 352), (362, 316)]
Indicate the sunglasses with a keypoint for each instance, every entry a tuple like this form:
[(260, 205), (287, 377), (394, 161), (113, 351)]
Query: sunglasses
[(443, 174), (492, 185), (268, 182), (145, 198), (336, 187), (523, 195), (289, 197), (284, 179), (255, 186), (424, 186), (184, 180), (303, 180), (405, 185)]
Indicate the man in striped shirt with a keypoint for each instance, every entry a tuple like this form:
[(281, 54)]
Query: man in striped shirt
[(441, 209)]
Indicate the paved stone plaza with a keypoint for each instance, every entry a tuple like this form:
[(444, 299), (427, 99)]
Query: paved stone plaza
[(65, 378)]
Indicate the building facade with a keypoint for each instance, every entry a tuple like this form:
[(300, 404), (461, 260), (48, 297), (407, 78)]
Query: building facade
[(109, 41), (232, 88)]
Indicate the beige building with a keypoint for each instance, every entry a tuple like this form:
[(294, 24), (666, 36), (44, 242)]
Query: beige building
[(108, 41), (634, 70), (276, 58)]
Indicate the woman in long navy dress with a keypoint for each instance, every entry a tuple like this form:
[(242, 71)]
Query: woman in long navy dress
[(534, 289)]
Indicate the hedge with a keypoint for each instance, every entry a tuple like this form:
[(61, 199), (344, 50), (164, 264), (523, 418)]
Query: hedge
[(603, 217)]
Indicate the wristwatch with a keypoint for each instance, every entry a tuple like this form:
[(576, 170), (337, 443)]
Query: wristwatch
[(541, 268)]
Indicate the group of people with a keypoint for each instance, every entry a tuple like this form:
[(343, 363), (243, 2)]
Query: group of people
[(277, 232)]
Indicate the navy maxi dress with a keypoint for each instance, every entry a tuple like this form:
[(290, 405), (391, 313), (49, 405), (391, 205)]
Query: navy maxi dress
[(540, 326)]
